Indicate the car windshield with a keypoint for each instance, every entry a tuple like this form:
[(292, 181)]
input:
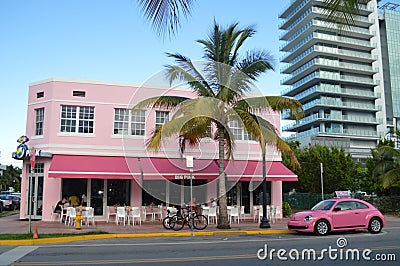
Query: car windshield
[(323, 205)]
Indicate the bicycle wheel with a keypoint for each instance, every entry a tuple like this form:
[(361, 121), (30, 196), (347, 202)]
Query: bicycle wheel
[(179, 222), (200, 222), (168, 223)]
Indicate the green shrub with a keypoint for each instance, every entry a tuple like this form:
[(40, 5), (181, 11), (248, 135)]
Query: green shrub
[(286, 209)]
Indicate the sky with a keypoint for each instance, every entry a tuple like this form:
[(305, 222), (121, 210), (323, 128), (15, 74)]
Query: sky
[(110, 41)]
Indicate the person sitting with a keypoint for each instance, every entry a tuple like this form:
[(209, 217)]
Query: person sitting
[(74, 201), (59, 204), (213, 202), (84, 200)]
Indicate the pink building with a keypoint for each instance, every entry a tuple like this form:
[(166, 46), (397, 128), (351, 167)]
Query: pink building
[(91, 143)]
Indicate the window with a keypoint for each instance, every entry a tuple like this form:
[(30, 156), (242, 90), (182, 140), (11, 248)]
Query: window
[(129, 122), (346, 205), (79, 93), (162, 117), (121, 121), (360, 205), (77, 119), (239, 132), (138, 123), (40, 94), (39, 121)]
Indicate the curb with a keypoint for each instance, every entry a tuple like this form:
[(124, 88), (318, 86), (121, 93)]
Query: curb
[(29, 242)]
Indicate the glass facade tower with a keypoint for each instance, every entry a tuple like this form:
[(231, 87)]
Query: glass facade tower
[(331, 72), (390, 38)]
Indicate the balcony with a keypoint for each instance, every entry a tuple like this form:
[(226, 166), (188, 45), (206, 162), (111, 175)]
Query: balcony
[(316, 63), (327, 117)]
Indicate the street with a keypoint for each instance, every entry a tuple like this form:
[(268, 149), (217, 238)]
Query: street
[(340, 249)]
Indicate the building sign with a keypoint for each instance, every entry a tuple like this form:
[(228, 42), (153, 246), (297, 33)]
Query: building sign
[(23, 149), (343, 194), (180, 177)]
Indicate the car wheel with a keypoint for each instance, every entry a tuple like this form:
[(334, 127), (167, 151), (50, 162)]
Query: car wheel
[(321, 228), (375, 225)]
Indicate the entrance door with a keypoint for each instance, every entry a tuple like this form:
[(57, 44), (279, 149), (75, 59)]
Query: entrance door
[(97, 196), (36, 192)]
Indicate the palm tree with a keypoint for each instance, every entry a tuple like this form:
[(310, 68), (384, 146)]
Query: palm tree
[(165, 15), (387, 166), (221, 83)]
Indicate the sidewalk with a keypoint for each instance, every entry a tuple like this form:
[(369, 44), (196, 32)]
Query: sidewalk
[(12, 225)]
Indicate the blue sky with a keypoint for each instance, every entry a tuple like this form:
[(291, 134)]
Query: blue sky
[(107, 40)]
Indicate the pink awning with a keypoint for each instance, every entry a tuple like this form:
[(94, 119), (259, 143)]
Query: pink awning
[(252, 171), (175, 169), (105, 167), (118, 167)]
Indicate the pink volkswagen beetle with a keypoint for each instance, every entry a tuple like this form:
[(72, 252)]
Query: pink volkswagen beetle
[(338, 214)]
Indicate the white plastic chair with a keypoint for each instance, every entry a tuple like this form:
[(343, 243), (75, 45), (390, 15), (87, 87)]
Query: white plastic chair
[(72, 216), (89, 216), (234, 213), (110, 212), (242, 212), (67, 213), (136, 214), (63, 214), (54, 213), (261, 212), (278, 212), (121, 214), (212, 212), (205, 210), (159, 213), (271, 213), (256, 212)]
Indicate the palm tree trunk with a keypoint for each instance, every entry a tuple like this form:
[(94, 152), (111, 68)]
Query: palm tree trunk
[(223, 222)]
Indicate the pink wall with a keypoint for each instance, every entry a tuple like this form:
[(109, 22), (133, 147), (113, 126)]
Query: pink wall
[(104, 97)]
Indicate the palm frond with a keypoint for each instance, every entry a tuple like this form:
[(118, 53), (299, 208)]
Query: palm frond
[(187, 72), (192, 131), (341, 13), (163, 132), (265, 133), (160, 102), (276, 103), (165, 15), (256, 62)]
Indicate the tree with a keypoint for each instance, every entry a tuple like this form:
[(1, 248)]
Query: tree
[(221, 83), (165, 15), (11, 178), (339, 169), (385, 166)]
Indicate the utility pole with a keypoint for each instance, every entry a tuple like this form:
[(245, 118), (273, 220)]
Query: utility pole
[(322, 181)]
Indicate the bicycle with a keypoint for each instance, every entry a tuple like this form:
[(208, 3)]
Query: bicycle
[(169, 221), (191, 218)]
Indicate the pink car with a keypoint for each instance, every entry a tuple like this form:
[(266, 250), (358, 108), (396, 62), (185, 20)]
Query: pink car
[(338, 214)]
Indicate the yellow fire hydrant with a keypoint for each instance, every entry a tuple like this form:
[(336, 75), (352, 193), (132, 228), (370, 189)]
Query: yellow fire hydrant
[(78, 220)]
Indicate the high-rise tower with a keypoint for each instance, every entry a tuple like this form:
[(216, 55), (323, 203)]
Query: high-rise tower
[(334, 74)]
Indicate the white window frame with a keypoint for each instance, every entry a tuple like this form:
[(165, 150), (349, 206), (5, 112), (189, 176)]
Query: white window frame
[(239, 131), (161, 120), (130, 122), (39, 120), (78, 118)]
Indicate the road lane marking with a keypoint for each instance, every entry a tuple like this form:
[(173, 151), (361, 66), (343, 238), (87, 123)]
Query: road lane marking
[(168, 260), (199, 241), (15, 254)]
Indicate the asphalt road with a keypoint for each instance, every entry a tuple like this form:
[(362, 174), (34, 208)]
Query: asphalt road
[(336, 249)]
